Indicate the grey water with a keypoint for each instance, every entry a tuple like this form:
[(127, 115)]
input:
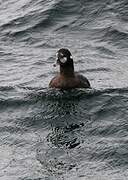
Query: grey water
[(47, 134)]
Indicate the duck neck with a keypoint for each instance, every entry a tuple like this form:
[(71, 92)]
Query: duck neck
[(67, 71)]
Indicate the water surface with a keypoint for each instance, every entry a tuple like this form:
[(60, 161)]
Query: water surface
[(48, 134)]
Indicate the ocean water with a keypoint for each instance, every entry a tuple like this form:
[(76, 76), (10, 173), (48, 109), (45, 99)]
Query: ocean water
[(48, 134)]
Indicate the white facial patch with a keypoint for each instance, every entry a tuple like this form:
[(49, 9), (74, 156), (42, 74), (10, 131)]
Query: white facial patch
[(63, 60), (56, 55)]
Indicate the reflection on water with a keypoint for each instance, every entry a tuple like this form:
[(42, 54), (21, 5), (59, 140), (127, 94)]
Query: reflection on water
[(65, 122)]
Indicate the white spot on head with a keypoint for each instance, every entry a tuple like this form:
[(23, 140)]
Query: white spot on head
[(71, 57)]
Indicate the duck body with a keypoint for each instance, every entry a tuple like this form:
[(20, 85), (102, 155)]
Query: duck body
[(62, 82), (67, 78)]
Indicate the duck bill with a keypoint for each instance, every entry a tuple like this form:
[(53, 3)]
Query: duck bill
[(56, 63)]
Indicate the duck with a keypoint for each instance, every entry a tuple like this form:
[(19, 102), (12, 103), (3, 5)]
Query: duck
[(67, 78)]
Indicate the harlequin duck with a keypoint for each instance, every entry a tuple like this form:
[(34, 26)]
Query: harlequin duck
[(67, 78)]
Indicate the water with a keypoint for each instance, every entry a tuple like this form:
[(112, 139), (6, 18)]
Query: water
[(48, 134)]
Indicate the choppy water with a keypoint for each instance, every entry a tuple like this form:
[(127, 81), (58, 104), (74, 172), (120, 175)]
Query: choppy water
[(49, 134)]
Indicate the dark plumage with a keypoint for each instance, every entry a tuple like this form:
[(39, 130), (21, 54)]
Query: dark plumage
[(67, 78)]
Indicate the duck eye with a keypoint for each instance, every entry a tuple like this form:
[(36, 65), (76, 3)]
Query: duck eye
[(61, 54)]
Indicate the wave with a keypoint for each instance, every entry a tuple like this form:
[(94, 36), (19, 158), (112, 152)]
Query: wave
[(18, 96), (58, 16), (40, 18), (115, 34)]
